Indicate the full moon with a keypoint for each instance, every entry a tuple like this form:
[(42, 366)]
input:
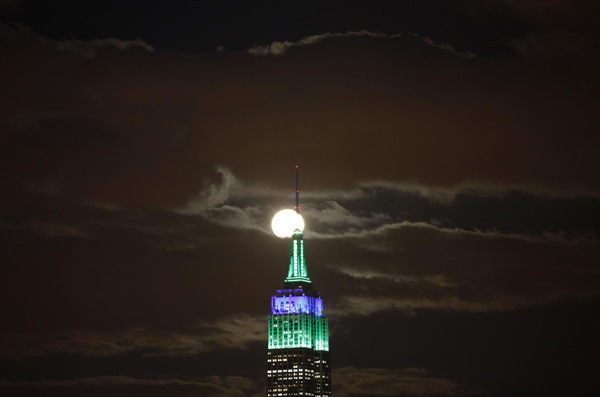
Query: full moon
[(285, 222)]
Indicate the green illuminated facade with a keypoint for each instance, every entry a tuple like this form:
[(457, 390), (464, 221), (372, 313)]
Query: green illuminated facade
[(291, 330), (298, 356)]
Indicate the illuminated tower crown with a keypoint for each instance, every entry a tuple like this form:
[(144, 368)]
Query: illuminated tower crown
[(297, 274)]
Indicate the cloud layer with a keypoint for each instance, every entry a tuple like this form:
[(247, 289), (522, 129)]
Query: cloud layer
[(416, 113), (350, 381), (376, 248), (448, 181), (122, 385)]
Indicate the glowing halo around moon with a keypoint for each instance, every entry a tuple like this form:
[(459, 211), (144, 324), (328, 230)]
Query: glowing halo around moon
[(285, 222)]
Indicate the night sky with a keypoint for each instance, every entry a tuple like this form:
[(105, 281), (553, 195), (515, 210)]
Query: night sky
[(449, 179)]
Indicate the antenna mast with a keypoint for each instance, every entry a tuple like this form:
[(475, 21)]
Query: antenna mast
[(297, 194)]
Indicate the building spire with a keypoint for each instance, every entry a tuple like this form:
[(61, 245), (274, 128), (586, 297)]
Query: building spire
[(297, 273), (297, 194)]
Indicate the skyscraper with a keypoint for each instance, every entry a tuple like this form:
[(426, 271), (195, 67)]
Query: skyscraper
[(298, 355)]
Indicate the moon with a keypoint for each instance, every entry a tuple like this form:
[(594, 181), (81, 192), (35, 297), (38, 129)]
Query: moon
[(285, 222)]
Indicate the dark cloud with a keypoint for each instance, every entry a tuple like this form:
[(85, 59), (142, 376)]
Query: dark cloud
[(279, 48), (121, 129), (419, 265), (124, 265), (238, 26), (230, 332), (88, 48), (491, 353), (122, 385), (351, 381)]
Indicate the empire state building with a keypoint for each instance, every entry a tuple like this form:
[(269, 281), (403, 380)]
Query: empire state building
[(298, 355)]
